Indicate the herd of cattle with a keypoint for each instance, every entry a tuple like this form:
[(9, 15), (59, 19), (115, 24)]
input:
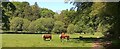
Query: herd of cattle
[(62, 36)]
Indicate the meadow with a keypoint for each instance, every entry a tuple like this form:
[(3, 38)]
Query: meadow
[(36, 40)]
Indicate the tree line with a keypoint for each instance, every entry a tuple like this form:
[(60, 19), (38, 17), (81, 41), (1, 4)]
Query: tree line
[(21, 16), (90, 17)]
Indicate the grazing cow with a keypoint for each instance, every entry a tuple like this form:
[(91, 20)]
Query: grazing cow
[(64, 36), (47, 36)]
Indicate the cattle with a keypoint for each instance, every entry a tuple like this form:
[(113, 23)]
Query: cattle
[(47, 36), (64, 36)]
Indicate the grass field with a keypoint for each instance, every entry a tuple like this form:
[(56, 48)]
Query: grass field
[(36, 40)]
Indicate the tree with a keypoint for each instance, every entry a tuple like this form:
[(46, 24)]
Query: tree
[(100, 16), (79, 27), (19, 24), (16, 24), (47, 23), (36, 26), (71, 28), (7, 9), (46, 13), (67, 16), (24, 10), (42, 24), (58, 27), (26, 24), (57, 17), (35, 11)]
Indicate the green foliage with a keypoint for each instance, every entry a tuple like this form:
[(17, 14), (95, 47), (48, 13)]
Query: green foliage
[(16, 24), (71, 28), (35, 12), (99, 17), (57, 17), (35, 26), (19, 24), (90, 17), (26, 24), (47, 23), (7, 9), (58, 26), (46, 13), (24, 10), (42, 24), (67, 16)]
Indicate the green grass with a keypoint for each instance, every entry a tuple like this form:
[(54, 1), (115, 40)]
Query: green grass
[(36, 40), (0, 40)]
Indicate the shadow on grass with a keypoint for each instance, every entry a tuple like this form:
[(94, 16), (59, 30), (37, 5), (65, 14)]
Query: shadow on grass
[(86, 39), (47, 40)]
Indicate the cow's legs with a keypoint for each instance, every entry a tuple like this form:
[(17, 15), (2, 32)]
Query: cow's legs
[(67, 37), (50, 38), (61, 39), (44, 38)]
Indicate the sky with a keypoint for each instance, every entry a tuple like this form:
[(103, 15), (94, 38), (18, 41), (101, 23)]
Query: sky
[(56, 5)]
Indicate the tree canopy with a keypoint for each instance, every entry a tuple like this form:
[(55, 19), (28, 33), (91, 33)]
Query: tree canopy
[(90, 17)]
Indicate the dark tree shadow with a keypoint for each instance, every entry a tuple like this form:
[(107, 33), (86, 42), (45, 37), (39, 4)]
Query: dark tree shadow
[(5, 18), (87, 39)]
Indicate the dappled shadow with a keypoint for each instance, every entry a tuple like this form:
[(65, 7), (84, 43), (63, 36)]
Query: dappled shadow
[(87, 38)]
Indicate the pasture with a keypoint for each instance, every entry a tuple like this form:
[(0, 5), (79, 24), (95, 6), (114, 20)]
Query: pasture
[(36, 40)]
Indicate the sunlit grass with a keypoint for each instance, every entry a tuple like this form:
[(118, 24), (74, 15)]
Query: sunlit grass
[(36, 40)]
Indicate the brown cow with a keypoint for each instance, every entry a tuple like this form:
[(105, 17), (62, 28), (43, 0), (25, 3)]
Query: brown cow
[(47, 36), (64, 36)]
